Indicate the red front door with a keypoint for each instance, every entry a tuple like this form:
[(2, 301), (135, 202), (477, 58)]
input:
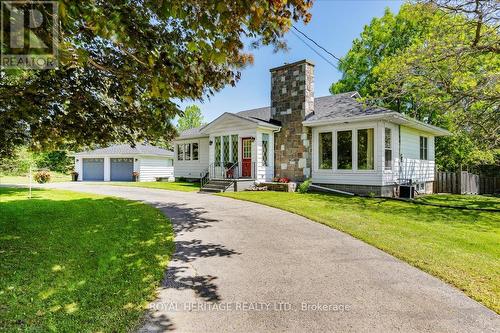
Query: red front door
[(246, 157)]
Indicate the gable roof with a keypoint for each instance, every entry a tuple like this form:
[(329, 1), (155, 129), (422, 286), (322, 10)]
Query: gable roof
[(126, 149), (247, 118)]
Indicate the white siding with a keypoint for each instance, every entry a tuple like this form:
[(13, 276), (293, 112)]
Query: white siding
[(265, 173), (412, 167), (354, 176), (192, 169), (152, 167)]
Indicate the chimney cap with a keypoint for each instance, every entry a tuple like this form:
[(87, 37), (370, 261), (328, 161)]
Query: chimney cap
[(303, 61)]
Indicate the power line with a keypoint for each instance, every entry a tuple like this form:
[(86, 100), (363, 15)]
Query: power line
[(314, 50), (321, 47)]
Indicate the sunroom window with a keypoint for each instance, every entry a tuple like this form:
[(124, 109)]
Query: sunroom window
[(187, 151), (365, 149), (265, 148), (195, 151), (325, 150), (388, 149), (344, 150), (180, 152), (217, 151)]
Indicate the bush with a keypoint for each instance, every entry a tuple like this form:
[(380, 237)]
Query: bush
[(42, 177), (304, 186)]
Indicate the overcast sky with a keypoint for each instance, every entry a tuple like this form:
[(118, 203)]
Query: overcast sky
[(334, 25)]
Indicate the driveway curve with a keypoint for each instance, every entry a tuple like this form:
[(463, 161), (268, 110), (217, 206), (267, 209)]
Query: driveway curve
[(244, 267)]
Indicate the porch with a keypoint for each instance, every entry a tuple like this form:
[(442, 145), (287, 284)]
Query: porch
[(231, 177)]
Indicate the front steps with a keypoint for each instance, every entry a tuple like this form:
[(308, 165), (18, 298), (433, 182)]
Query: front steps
[(218, 186)]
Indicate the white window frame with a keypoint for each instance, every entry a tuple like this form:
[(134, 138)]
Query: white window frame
[(391, 148), (423, 148)]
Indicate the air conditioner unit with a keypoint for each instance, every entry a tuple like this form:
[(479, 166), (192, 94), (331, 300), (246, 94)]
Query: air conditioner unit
[(407, 191)]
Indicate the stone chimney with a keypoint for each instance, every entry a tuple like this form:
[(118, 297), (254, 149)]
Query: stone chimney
[(292, 99)]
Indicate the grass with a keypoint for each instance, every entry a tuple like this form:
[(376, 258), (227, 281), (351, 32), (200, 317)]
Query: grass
[(172, 186), (74, 262), (459, 246), (24, 179), (466, 201)]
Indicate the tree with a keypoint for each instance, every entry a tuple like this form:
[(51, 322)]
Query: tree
[(444, 74), (191, 118), (122, 65)]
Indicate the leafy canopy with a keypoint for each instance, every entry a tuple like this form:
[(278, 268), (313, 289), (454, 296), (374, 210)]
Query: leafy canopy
[(437, 61), (191, 118), (122, 64)]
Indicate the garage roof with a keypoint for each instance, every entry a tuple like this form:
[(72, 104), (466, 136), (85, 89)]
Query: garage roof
[(126, 149)]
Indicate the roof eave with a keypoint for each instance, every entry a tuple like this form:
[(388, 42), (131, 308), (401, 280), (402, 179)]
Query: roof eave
[(321, 122), (395, 117)]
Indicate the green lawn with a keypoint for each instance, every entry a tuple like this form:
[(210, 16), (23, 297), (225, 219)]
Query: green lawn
[(467, 201), (461, 247), (24, 179), (173, 186), (73, 262)]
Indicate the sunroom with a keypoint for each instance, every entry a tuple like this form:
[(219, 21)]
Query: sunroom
[(230, 147)]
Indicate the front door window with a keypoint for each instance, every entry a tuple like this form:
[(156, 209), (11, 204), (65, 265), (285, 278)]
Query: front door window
[(246, 163)]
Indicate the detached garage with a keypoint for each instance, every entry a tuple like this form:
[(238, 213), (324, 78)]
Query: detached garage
[(120, 162)]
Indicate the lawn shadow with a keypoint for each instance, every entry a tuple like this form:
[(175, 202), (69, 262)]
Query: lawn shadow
[(483, 202)]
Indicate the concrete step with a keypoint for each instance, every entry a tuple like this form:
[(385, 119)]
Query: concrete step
[(211, 190)]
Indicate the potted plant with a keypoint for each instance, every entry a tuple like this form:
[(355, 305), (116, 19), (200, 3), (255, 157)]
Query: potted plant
[(74, 176), (135, 176), (229, 170)]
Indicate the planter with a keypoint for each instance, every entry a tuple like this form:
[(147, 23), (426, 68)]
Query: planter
[(135, 178), (74, 176), (280, 187)]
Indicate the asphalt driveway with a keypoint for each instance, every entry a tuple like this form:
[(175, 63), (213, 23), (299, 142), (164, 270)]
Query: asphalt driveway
[(243, 267)]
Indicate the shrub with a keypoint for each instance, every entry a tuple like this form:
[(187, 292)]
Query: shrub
[(304, 186), (42, 177), (284, 180)]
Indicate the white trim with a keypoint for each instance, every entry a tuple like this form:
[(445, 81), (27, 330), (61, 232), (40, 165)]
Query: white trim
[(394, 117)]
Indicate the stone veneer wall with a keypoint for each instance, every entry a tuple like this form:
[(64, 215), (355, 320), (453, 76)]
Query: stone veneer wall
[(292, 99)]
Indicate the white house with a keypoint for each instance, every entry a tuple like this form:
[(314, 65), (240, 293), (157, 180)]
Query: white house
[(119, 162), (336, 141)]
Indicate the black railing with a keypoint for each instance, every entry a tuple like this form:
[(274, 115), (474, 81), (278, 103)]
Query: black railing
[(228, 171), (204, 178)]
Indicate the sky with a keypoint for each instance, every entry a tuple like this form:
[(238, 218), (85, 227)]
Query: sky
[(334, 25)]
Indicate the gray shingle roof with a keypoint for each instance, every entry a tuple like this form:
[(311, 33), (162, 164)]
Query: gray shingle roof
[(260, 113), (342, 105), (331, 107), (126, 149)]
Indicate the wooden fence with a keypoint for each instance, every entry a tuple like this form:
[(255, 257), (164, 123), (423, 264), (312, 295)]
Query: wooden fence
[(463, 182)]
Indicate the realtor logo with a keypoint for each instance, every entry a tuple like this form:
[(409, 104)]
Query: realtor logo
[(29, 34)]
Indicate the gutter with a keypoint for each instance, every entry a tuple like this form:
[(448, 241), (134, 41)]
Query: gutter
[(390, 116)]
